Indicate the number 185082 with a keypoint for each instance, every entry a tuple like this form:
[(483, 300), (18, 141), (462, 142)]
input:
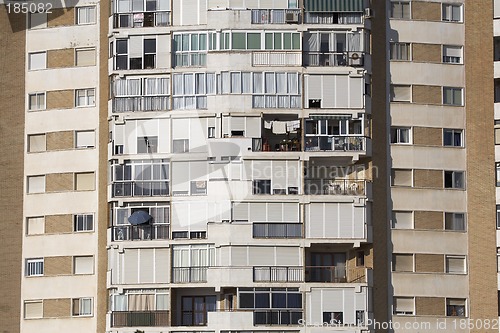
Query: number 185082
[(25, 8)]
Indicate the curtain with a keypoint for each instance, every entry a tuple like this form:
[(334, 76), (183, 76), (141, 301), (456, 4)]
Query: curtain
[(120, 303), (178, 85), (312, 42), (225, 84), (295, 102), (293, 83), (235, 82), (281, 83), (140, 302), (258, 87), (270, 83), (161, 302), (247, 82), (200, 84), (188, 84), (284, 102), (354, 41), (258, 102), (210, 83)]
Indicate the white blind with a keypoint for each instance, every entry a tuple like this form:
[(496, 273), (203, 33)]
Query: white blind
[(401, 93), (262, 256), (162, 264), (403, 262), (403, 304), (402, 220), (36, 184), (85, 181), (37, 60), (288, 256), (36, 225), (452, 51), (37, 143), (402, 177), (85, 139), (238, 256), (135, 47), (33, 309), (84, 265), (131, 259), (455, 265), (146, 266), (85, 57), (313, 86)]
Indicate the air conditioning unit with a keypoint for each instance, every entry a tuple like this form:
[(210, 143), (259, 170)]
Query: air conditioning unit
[(368, 12), (355, 59), (292, 17)]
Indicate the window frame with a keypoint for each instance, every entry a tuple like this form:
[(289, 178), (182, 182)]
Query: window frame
[(448, 300), (86, 97), (393, 95), (402, 313), (28, 184), (449, 58), (398, 141), (395, 51), (453, 217), (83, 49), (402, 16), (81, 301), (454, 180), (453, 132), (455, 257), (30, 54), (444, 8), (453, 90), (38, 107), (78, 15), (35, 265), (84, 224)]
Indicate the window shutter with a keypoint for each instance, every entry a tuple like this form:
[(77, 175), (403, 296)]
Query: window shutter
[(146, 273), (288, 256), (84, 265), (404, 304), (274, 212), (36, 184), (258, 212), (359, 222), (261, 256), (85, 57), (239, 256), (253, 127), (345, 221), (313, 87), (135, 47), (162, 264), (85, 181), (198, 171), (290, 212), (293, 173), (455, 265), (403, 262), (37, 60), (240, 211), (314, 227), (402, 178), (261, 170), (36, 225), (85, 139), (279, 170), (180, 129), (332, 223), (37, 143), (180, 214), (402, 220), (452, 51), (130, 271), (329, 87), (180, 177), (341, 91), (356, 93), (33, 309)]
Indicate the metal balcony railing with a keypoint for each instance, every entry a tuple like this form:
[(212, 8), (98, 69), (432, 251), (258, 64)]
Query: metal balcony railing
[(189, 274), (334, 187), (277, 230), (277, 317), (275, 16), (335, 274), (140, 232), (141, 19), (140, 189), (278, 274), (140, 318), (141, 103), (324, 59), (335, 143), (276, 58)]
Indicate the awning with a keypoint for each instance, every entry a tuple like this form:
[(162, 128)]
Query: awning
[(330, 116), (334, 5), (139, 217)]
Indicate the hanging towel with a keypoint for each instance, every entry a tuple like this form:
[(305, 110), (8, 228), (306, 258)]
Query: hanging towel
[(268, 124), (279, 127)]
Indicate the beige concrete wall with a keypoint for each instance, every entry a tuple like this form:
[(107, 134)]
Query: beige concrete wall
[(428, 178), (426, 11), (426, 94), (62, 265), (427, 136), (12, 115), (60, 99), (430, 306), (56, 224), (428, 220), (427, 52), (60, 58), (57, 308), (61, 17)]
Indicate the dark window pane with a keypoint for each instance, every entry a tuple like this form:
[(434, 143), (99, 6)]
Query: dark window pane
[(279, 300), (150, 46), (262, 301), (121, 47), (246, 301)]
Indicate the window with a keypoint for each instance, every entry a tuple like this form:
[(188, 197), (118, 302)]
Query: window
[(37, 20), (147, 144), (34, 267), (497, 174), (452, 13), (400, 135), (198, 234), (36, 143), (401, 177), (454, 179), (83, 222), (149, 53), (497, 133), (85, 57), (452, 54), (334, 318), (211, 132), (33, 309), (195, 309), (85, 15), (400, 51), (85, 97), (404, 305), (35, 225), (83, 265), (199, 187), (455, 264), (190, 49), (84, 181), (262, 186), (402, 262), (452, 96), (85, 139), (36, 101), (180, 146), (400, 10), (400, 93), (402, 220), (498, 216), (454, 221), (37, 61), (82, 307), (36, 184), (121, 61), (191, 90), (179, 235), (452, 137), (455, 307)]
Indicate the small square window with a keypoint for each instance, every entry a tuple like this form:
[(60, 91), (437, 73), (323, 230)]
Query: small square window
[(455, 264), (400, 93), (34, 267), (36, 143), (86, 15), (37, 20), (211, 132), (83, 222), (452, 54), (454, 221), (401, 177), (400, 51), (404, 306), (36, 101), (36, 184), (452, 96), (82, 307), (400, 10), (35, 225), (147, 145), (402, 262), (37, 61), (262, 186), (83, 265), (85, 97), (85, 139), (452, 137), (400, 135), (334, 318), (454, 179), (33, 309), (402, 220), (85, 57), (455, 307), (452, 12), (85, 181)]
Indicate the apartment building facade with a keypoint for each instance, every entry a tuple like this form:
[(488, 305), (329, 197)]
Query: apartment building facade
[(237, 165)]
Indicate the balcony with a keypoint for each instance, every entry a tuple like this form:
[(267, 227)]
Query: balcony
[(277, 230), (325, 59), (335, 187), (335, 274), (335, 143), (276, 16), (189, 274), (278, 274), (277, 317), (140, 318), (276, 58), (141, 103), (140, 232), (141, 19), (140, 189), (332, 18)]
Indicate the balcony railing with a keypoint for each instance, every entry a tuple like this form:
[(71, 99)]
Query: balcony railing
[(259, 144), (140, 232), (334, 187), (333, 18), (141, 19), (335, 274), (316, 58), (275, 16), (278, 274), (189, 274), (140, 189), (277, 230), (277, 317), (141, 103), (276, 58), (139, 318), (335, 143)]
